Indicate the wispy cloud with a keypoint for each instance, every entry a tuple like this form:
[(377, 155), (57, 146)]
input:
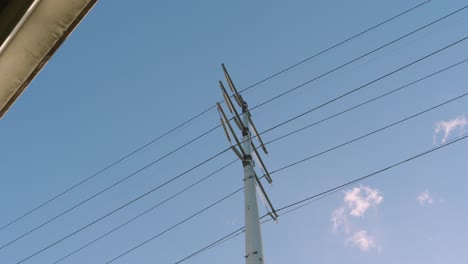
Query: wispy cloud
[(340, 219), (362, 240), (450, 126), (356, 203), (360, 199), (425, 198)]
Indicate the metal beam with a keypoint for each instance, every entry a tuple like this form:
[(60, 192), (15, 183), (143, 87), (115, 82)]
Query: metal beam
[(33, 41)]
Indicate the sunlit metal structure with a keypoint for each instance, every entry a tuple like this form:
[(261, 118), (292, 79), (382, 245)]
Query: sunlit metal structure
[(30, 32), (244, 151)]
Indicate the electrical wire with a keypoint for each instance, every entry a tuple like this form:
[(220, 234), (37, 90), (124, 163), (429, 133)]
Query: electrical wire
[(339, 146), (334, 46), (371, 133), (268, 101), (174, 226), (123, 206), (322, 195), (110, 187), (146, 211), (368, 101), (365, 85), (240, 230), (214, 244), (201, 114), (104, 169), (433, 53), (360, 57), (274, 140), (337, 188)]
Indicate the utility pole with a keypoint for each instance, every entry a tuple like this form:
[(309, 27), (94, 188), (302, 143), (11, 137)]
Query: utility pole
[(244, 151), (253, 234)]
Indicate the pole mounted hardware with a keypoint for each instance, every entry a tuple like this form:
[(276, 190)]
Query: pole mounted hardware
[(252, 183)]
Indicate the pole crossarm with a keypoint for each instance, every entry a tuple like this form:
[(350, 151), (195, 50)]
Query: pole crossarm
[(252, 183)]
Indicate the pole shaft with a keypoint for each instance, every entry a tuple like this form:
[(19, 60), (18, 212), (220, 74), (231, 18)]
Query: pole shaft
[(253, 236)]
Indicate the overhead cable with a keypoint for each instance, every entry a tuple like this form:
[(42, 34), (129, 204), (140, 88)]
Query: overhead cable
[(274, 140), (323, 194), (199, 115), (211, 158)]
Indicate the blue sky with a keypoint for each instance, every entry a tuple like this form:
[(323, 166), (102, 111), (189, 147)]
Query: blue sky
[(129, 73)]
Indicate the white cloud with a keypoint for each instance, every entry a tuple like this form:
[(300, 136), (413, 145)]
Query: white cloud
[(360, 199), (362, 240), (425, 198), (345, 220), (339, 219), (448, 127)]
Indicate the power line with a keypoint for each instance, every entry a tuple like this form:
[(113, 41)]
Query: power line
[(337, 188), (370, 133), (201, 114), (309, 200), (174, 226), (360, 57), (123, 206), (335, 46), (105, 169), (322, 195), (368, 101), (356, 59), (214, 244), (367, 84), (346, 143), (386, 75), (274, 140), (326, 193), (224, 239), (302, 203), (339, 146), (146, 211), (214, 128), (111, 186), (239, 231), (343, 185)]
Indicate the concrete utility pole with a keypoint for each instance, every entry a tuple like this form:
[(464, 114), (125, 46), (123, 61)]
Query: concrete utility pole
[(253, 234), (244, 151)]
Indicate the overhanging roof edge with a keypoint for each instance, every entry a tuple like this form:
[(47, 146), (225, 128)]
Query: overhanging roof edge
[(45, 58)]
